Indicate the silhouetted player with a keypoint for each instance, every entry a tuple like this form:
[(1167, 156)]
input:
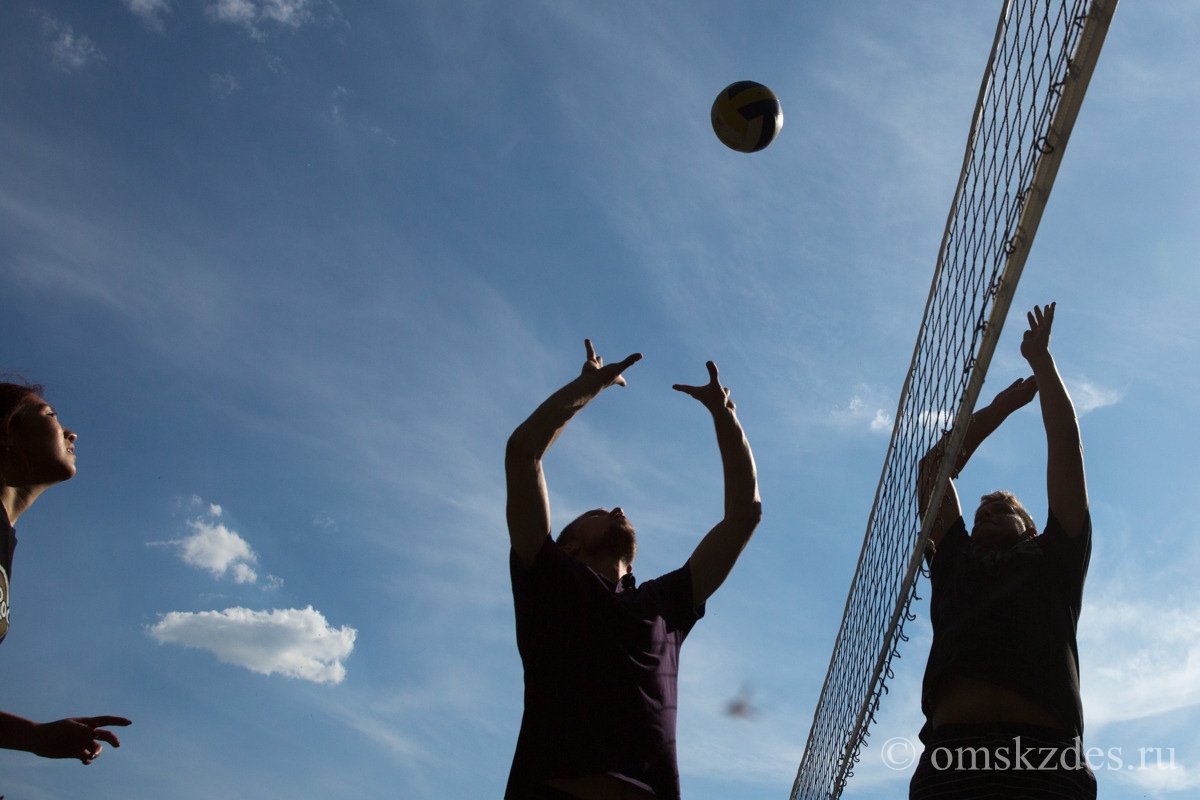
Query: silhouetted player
[(1001, 690), (601, 652), (36, 452)]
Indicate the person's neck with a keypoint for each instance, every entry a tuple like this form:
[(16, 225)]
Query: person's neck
[(612, 569), (16, 499)]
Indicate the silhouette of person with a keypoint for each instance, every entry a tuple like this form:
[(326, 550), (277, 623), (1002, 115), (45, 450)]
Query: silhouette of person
[(600, 651), (1001, 688), (36, 452)]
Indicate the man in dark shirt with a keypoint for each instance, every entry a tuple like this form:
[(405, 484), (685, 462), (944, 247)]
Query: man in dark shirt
[(601, 653), (1001, 688)]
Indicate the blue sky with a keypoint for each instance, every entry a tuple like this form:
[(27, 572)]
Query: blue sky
[(294, 270)]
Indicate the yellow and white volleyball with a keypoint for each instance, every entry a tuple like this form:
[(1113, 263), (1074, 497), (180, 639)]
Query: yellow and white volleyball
[(746, 116)]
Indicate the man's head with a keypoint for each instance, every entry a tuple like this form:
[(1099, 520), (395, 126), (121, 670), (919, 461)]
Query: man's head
[(600, 534), (1001, 522)]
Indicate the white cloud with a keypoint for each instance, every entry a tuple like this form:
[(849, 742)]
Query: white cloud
[(250, 13), (295, 642), (1167, 775), (940, 420), (68, 52), (1088, 396), (219, 550), (859, 412), (1150, 663), (241, 12), (150, 12)]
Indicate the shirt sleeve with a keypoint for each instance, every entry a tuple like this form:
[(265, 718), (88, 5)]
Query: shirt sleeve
[(1071, 555), (673, 592), (947, 550)]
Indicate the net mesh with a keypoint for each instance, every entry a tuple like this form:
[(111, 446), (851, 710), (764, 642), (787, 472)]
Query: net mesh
[(1040, 64)]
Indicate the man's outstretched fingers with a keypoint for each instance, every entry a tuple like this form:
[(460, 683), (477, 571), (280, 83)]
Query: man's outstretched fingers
[(106, 721)]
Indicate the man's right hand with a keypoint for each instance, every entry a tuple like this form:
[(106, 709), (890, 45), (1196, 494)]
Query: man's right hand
[(610, 374), (1017, 394), (1036, 341)]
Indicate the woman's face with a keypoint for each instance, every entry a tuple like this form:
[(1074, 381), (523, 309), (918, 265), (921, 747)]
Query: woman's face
[(45, 450)]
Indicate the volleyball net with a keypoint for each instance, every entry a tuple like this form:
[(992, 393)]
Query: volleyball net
[(1041, 62)]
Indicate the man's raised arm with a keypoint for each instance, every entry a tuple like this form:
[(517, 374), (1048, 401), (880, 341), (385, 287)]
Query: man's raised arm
[(717, 552), (528, 508), (1066, 484), (984, 423)]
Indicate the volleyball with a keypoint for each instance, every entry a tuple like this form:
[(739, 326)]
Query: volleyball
[(746, 116)]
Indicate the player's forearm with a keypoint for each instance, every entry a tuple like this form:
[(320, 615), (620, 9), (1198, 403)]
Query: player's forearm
[(984, 423), (533, 437), (17, 733), (1058, 412), (528, 507), (742, 503), (1066, 483)]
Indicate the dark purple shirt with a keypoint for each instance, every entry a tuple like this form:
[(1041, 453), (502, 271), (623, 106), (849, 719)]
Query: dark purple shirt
[(601, 672), (1010, 618)]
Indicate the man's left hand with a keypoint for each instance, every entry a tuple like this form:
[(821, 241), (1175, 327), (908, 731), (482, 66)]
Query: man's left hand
[(713, 395)]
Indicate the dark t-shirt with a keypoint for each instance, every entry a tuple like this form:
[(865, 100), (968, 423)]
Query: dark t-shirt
[(8, 543), (1010, 618), (601, 672)]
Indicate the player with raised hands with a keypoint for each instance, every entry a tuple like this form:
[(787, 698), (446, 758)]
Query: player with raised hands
[(1002, 679), (601, 651)]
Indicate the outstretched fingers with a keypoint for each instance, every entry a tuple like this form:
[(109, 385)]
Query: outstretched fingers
[(105, 721), (713, 395), (1037, 339), (611, 373), (1018, 393), (105, 735)]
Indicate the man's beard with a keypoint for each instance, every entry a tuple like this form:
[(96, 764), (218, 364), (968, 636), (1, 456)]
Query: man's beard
[(619, 540)]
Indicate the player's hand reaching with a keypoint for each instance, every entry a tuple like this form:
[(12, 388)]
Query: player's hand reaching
[(713, 395), (1017, 394), (77, 737), (1036, 342), (607, 374)]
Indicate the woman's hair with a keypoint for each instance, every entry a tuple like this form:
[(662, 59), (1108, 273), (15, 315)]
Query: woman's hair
[(14, 397)]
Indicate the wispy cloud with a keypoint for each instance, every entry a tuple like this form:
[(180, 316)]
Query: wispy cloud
[(250, 14), (223, 85), (1169, 777), (68, 52), (359, 123), (295, 642), (1088, 396), (1151, 662), (859, 412), (150, 12)]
